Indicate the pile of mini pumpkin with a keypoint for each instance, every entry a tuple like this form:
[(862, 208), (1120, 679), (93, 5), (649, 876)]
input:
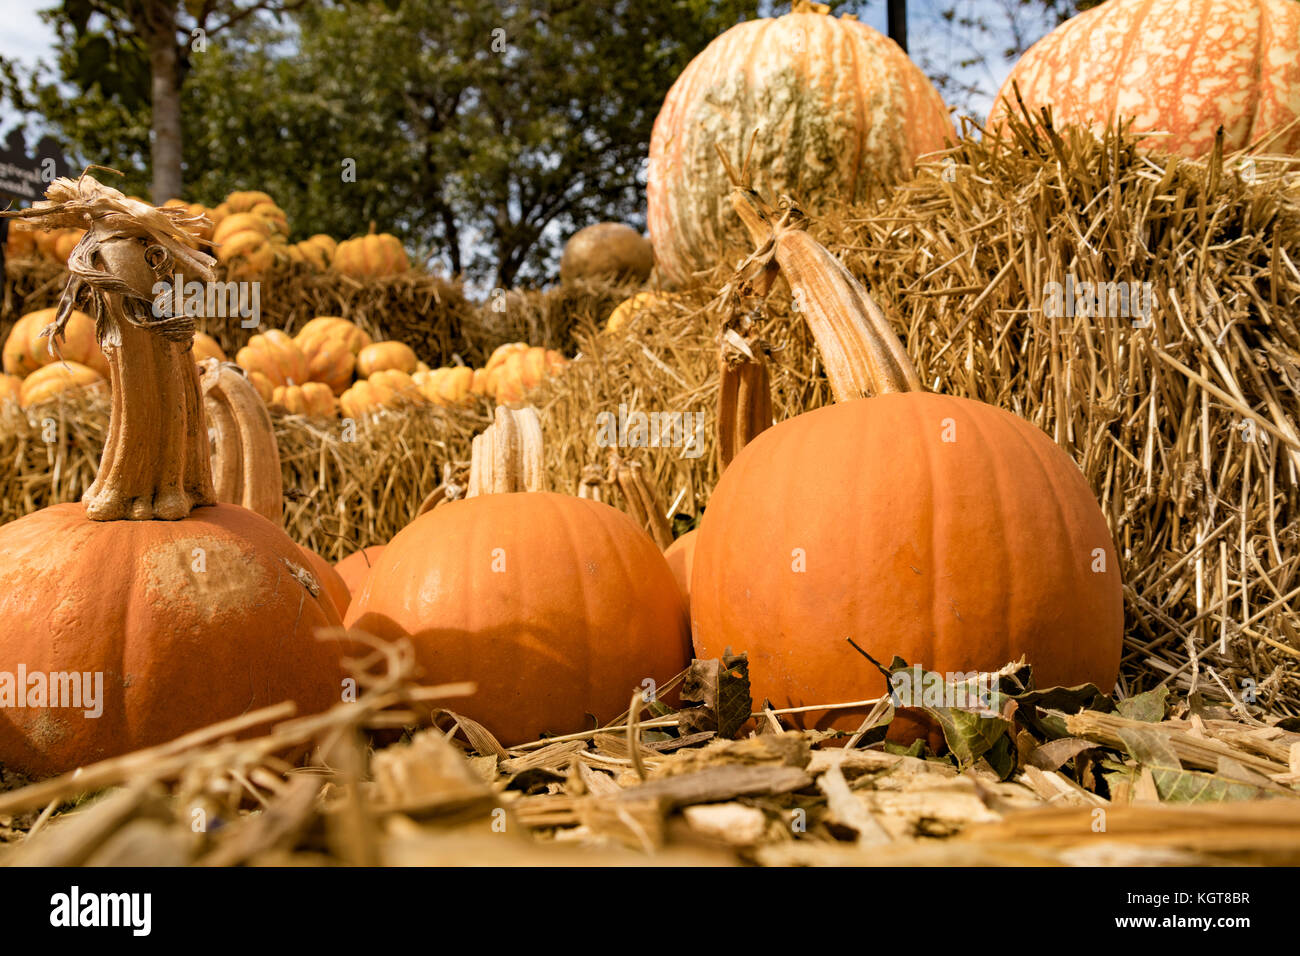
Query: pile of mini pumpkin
[(331, 367)]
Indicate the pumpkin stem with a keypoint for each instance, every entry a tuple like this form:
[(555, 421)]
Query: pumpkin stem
[(507, 456), (640, 500), (449, 490), (862, 353), (156, 461), (590, 482), (246, 459), (744, 389)]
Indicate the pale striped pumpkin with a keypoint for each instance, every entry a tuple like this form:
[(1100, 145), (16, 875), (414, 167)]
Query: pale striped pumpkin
[(836, 105)]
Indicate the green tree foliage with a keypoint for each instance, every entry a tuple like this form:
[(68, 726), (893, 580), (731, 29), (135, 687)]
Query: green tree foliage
[(481, 131)]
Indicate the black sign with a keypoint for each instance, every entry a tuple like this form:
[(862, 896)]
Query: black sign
[(24, 176)]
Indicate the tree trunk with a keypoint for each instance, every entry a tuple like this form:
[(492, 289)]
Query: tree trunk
[(164, 65)]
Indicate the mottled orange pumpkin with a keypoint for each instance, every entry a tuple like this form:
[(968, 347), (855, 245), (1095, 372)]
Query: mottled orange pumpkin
[(1184, 67), (26, 350), (371, 257), (354, 568), (189, 612), (836, 105), (609, 252)]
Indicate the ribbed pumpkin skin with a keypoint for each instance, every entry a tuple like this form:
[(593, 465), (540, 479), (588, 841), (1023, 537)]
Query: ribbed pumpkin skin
[(956, 556), (585, 609), (836, 105), (178, 649), (1182, 66)]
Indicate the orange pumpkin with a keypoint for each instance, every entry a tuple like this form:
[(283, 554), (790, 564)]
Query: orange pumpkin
[(521, 372), (836, 105), (274, 354), (371, 257), (446, 386), (206, 347), (638, 311), (245, 201), (1184, 67), (243, 243), (64, 243), (313, 399), (330, 362), (328, 326), (26, 350), (21, 243), (11, 387), (144, 575), (945, 531), (386, 355), (50, 382), (329, 580), (556, 607), (316, 251), (680, 556), (354, 568), (384, 389), (607, 251)]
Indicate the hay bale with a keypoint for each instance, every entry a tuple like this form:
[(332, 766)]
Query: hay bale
[(961, 258)]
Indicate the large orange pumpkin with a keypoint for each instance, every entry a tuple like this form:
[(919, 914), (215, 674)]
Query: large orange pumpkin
[(945, 531), (836, 105), (1185, 67), (187, 612), (556, 607)]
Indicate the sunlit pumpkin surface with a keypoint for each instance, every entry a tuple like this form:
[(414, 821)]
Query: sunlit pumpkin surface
[(557, 607), (859, 520)]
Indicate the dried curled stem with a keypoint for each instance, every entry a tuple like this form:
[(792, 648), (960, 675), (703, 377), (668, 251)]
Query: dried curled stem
[(245, 457), (744, 389), (507, 456), (156, 460), (450, 489), (861, 351), (639, 498)]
